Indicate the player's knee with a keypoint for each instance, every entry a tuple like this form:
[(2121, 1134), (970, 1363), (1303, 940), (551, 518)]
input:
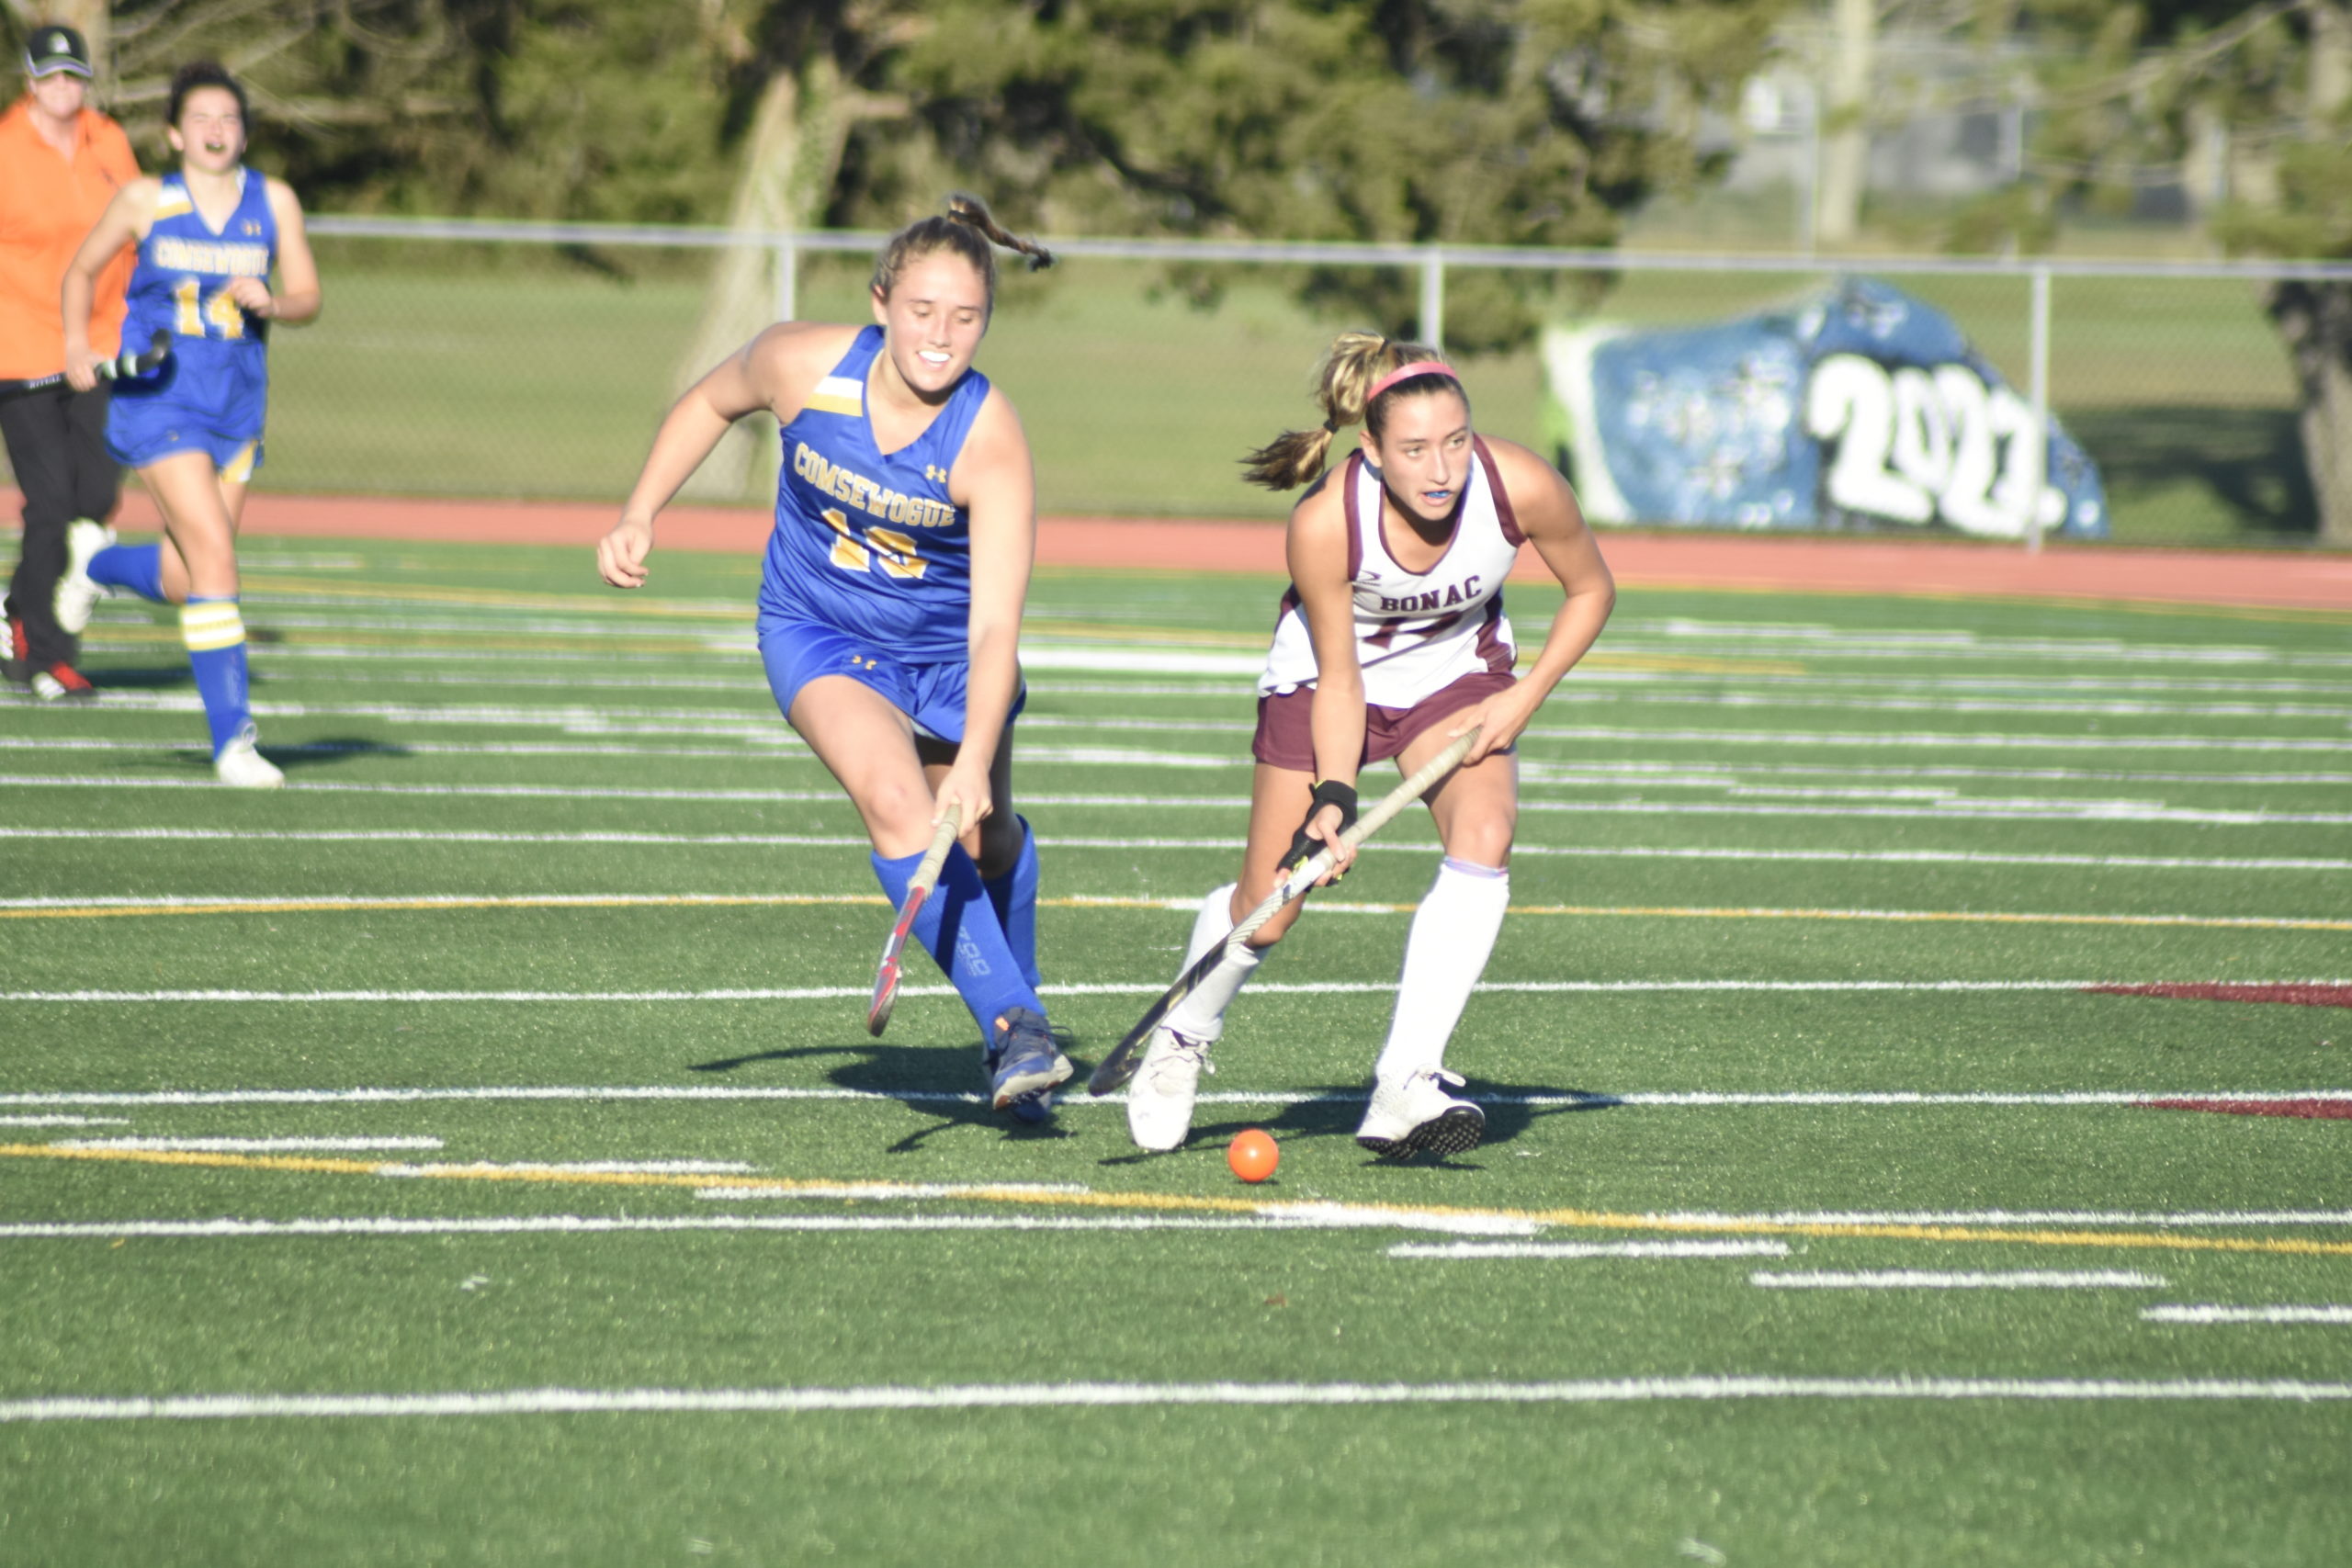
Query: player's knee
[(897, 809), (1485, 840)]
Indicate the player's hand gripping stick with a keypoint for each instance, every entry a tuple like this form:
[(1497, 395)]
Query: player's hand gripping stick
[(121, 367), (926, 876), (1126, 1057)]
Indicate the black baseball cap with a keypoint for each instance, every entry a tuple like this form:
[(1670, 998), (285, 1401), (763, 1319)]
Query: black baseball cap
[(52, 49)]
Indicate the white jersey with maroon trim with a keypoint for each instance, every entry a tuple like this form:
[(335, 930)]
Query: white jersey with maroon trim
[(1416, 633)]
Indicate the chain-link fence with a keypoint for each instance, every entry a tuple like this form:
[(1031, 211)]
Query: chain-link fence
[(534, 361)]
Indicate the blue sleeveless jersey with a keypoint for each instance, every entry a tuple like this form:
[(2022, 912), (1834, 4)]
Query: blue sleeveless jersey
[(867, 543), (218, 373)]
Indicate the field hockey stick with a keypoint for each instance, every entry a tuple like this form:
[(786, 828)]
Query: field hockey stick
[(1120, 1065), (885, 974), (120, 368)]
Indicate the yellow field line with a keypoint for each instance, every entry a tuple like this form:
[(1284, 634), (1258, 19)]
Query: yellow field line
[(1573, 1219), (722, 900), (1965, 917), (369, 906)]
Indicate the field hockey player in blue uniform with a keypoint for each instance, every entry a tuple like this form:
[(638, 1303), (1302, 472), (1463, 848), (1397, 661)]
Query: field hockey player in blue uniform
[(209, 235), (890, 607)]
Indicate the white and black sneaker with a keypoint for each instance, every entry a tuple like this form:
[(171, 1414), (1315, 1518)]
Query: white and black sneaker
[(1160, 1098), (76, 594), (1415, 1115)]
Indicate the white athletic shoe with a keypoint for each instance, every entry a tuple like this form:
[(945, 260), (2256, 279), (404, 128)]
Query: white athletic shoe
[(240, 765), (1160, 1099), (76, 594), (1416, 1114)]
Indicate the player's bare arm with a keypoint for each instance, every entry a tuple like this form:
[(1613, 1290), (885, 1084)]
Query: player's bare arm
[(775, 370), (1556, 529), (296, 298), (994, 480), (124, 222), (1318, 547)]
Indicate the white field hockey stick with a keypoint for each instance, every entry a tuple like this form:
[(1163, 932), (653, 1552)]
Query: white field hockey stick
[(1121, 1063), (121, 367), (918, 886)]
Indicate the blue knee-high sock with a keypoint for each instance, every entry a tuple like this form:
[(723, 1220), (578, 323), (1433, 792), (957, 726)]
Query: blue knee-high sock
[(139, 567), (959, 925), (215, 635), (1013, 896)]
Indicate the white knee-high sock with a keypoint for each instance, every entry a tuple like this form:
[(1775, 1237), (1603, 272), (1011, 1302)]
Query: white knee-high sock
[(1211, 925), (1453, 932), (1201, 1015)]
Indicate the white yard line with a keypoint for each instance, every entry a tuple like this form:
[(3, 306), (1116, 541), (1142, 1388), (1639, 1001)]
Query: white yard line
[(1078, 1395), (892, 1192), (1136, 988), (1126, 845), (1536, 1250), (1955, 809), (230, 903), (2206, 1314), (1675, 1100), (605, 1225), (64, 1122), (1923, 1279)]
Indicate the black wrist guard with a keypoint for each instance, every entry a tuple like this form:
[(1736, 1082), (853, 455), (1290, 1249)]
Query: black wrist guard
[(1327, 792)]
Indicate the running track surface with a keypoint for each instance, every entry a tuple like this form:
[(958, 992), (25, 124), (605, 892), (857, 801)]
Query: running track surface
[(2311, 580)]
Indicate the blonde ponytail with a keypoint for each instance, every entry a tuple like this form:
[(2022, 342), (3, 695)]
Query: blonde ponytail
[(1345, 382)]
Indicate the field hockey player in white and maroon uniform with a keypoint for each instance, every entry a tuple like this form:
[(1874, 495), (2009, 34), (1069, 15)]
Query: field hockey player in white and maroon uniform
[(1391, 643)]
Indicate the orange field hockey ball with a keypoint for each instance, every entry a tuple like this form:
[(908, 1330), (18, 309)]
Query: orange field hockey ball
[(1253, 1154)]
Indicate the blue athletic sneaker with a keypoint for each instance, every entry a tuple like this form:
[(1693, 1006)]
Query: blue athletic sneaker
[(1023, 1064)]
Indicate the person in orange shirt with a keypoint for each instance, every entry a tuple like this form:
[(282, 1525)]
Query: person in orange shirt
[(60, 163)]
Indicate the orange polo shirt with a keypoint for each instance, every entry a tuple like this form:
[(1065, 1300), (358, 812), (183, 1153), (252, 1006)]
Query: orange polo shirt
[(47, 206)]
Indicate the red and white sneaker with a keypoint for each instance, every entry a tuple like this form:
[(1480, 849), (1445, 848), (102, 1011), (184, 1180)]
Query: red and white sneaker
[(60, 683), (16, 664)]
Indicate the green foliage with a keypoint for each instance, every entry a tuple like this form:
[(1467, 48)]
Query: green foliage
[(1533, 122), (1537, 122), (2314, 214), (2127, 92), (599, 112)]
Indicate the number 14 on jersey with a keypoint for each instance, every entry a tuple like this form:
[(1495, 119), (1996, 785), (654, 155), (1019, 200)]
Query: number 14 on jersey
[(220, 310)]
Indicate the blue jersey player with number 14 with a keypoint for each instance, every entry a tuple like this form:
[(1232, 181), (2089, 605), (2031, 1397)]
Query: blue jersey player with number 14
[(210, 234), (890, 606)]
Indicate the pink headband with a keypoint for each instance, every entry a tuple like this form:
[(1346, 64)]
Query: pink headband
[(1406, 373)]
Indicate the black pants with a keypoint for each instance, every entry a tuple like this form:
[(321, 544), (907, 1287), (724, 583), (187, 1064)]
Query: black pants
[(57, 444)]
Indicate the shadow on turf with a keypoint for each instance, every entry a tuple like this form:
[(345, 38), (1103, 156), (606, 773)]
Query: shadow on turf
[(898, 1069), (328, 750), (162, 678), (1337, 1109)]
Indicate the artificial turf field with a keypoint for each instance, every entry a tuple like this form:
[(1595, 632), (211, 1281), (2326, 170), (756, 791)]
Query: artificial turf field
[(474, 1154)]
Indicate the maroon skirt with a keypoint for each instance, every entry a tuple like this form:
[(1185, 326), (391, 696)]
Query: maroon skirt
[(1286, 736)]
